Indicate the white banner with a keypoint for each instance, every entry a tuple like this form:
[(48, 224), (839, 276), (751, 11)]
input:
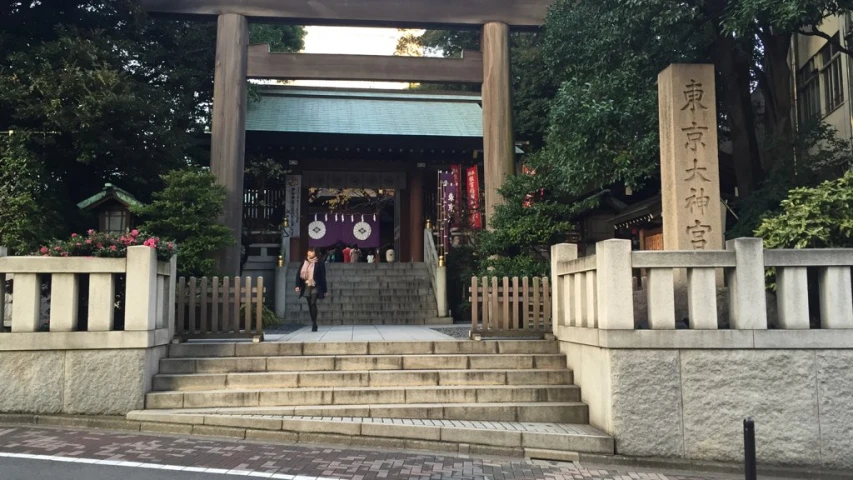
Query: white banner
[(293, 203)]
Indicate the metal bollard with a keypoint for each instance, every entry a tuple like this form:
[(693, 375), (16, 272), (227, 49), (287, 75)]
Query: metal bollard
[(749, 449)]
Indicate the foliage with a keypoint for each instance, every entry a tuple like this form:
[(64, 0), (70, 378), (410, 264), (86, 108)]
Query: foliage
[(268, 316), (107, 245), (817, 154), (281, 38), (108, 95), (819, 217), (24, 220), (188, 210), (519, 238)]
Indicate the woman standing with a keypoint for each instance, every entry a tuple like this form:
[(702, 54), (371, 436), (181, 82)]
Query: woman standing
[(311, 284)]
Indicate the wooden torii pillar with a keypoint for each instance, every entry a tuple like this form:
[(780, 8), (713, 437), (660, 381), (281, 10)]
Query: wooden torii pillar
[(234, 64)]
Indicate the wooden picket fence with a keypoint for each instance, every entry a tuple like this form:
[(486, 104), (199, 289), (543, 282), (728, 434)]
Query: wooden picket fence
[(510, 307), (227, 307)]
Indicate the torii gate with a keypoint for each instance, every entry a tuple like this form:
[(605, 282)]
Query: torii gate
[(235, 62)]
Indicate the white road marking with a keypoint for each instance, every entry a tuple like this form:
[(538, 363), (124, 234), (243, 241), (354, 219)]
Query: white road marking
[(177, 468)]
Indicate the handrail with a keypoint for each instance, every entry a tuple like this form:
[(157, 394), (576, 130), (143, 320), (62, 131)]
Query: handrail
[(437, 273)]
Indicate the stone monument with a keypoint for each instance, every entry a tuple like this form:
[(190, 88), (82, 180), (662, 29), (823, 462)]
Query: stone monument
[(690, 174)]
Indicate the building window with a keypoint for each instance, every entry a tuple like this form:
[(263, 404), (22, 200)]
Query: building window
[(114, 221), (831, 75), (809, 100)]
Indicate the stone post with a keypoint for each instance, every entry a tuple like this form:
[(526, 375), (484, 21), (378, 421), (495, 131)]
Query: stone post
[(228, 133), (282, 284), (563, 252), (615, 293), (441, 290), (836, 296), (690, 177), (64, 300), (140, 309), (792, 297), (747, 301), (498, 143)]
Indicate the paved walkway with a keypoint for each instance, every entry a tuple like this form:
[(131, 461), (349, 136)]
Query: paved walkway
[(209, 457), (362, 333)]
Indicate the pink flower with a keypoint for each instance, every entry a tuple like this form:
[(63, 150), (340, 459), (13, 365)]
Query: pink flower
[(73, 235), (43, 250), (113, 248), (57, 248), (79, 244), (170, 245), (100, 245), (134, 233), (91, 232), (88, 241)]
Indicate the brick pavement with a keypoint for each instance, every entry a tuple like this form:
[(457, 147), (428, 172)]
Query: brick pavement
[(305, 460)]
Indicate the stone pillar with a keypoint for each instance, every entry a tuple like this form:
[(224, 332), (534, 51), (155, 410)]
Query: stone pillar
[(140, 300), (615, 292), (282, 285), (747, 301), (416, 216), (228, 135), (690, 176), (563, 252), (498, 143)]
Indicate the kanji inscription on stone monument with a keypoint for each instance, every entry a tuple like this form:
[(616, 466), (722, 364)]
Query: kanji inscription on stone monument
[(690, 178)]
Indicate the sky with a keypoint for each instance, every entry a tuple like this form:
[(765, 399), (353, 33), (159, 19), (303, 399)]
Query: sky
[(354, 41)]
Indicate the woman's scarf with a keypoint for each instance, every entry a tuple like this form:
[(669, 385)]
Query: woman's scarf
[(307, 272)]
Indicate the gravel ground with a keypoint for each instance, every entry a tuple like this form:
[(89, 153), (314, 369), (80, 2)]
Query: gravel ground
[(283, 329), (456, 331)]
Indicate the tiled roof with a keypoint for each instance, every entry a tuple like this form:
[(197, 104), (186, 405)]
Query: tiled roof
[(297, 110)]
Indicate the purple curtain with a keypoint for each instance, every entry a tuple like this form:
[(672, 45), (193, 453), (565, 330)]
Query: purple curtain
[(329, 229)]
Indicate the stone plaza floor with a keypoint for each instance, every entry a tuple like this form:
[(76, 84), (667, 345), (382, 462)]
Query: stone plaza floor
[(292, 462), (361, 333)]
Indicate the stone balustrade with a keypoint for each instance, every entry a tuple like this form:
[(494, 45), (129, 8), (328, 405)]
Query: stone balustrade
[(672, 369), (82, 363), (596, 291)]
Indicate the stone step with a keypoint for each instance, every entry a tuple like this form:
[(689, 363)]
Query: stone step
[(304, 319), (361, 396), (461, 347), (557, 412), (373, 292), (359, 378), (355, 362), (504, 438)]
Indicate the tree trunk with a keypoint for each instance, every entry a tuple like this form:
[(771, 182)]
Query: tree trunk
[(777, 90), (734, 66)]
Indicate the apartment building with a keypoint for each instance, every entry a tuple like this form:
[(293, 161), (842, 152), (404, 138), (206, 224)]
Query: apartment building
[(823, 76)]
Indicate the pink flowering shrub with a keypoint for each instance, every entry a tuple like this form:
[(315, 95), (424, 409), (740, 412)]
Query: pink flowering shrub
[(109, 245)]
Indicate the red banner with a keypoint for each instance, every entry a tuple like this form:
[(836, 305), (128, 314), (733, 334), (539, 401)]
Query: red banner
[(473, 182), (456, 172)]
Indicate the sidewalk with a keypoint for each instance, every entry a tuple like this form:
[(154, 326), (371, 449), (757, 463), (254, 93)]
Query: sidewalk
[(302, 462)]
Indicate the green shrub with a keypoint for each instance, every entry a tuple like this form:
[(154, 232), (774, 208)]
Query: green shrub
[(818, 217)]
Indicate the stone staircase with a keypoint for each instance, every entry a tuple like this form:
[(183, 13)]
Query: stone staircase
[(369, 294), (511, 398)]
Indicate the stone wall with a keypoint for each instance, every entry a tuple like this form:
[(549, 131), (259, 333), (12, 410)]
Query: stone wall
[(690, 403), (88, 382)]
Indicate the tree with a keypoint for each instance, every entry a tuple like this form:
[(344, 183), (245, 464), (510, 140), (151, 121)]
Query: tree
[(187, 211), (113, 95), (537, 213), (606, 55), (25, 220)]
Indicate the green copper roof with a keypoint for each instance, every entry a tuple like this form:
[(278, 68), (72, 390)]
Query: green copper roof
[(297, 110), (110, 191)]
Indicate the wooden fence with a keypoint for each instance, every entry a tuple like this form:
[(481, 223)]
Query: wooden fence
[(510, 307), (219, 308)]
